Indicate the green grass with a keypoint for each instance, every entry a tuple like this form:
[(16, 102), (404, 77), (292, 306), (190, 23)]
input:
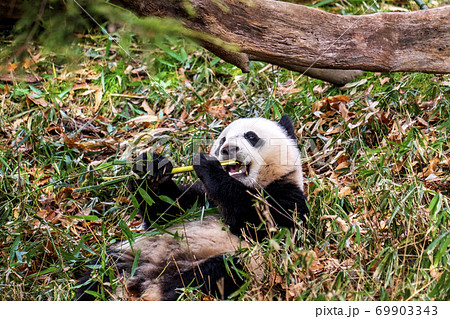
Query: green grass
[(377, 176)]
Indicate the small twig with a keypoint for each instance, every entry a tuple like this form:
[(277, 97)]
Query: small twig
[(421, 289), (421, 4)]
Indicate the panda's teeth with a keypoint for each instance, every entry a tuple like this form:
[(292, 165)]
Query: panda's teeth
[(236, 169)]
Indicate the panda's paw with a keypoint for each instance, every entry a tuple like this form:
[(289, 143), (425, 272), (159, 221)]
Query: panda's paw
[(206, 166), (153, 167)]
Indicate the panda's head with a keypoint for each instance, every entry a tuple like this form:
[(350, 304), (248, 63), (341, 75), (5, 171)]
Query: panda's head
[(266, 151)]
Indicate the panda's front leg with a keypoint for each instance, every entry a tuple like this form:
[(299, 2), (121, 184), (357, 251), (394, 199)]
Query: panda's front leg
[(232, 197), (152, 182)]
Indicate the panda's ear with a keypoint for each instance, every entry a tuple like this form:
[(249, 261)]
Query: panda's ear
[(286, 123)]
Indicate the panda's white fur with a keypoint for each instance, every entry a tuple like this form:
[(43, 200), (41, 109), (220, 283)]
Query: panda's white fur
[(197, 241), (164, 257), (277, 156)]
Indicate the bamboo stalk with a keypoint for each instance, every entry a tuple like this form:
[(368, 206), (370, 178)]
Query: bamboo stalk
[(185, 169)]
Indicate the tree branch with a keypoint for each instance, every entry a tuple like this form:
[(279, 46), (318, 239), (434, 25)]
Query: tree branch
[(300, 38)]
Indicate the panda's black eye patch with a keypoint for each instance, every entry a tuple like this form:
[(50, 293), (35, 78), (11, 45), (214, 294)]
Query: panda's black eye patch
[(252, 138), (222, 140)]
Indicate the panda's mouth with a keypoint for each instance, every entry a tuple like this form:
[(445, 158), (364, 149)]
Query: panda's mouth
[(237, 169)]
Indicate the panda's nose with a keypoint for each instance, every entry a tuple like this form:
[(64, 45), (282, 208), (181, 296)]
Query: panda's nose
[(229, 149)]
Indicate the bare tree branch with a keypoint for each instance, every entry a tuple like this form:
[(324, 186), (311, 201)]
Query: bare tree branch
[(299, 38)]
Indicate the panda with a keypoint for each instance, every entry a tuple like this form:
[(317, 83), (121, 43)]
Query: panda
[(263, 191)]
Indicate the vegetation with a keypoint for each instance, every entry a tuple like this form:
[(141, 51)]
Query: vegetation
[(376, 159)]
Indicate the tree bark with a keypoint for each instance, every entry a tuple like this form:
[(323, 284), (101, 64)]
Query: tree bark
[(300, 38), (316, 43)]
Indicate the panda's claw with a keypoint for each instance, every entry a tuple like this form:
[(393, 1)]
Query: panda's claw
[(153, 167), (205, 166)]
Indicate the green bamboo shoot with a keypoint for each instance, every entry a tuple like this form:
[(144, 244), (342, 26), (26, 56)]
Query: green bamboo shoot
[(185, 169)]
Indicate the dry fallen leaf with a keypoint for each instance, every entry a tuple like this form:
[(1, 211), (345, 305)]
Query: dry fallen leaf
[(431, 169), (319, 89), (13, 66), (343, 164), (319, 105), (74, 144), (215, 108), (384, 80), (345, 192), (342, 224), (434, 271), (338, 98), (98, 99), (147, 108), (143, 119), (27, 62), (168, 109), (38, 101), (63, 194)]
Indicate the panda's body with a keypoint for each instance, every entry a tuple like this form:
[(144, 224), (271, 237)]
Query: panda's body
[(268, 166), (163, 258)]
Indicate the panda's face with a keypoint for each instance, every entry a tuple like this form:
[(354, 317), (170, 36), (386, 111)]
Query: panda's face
[(263, 150)]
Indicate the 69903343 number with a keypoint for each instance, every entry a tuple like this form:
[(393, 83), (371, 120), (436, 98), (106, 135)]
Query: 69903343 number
[(406, 310)]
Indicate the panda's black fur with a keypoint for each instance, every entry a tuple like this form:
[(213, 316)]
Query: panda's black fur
[(197, 257)]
